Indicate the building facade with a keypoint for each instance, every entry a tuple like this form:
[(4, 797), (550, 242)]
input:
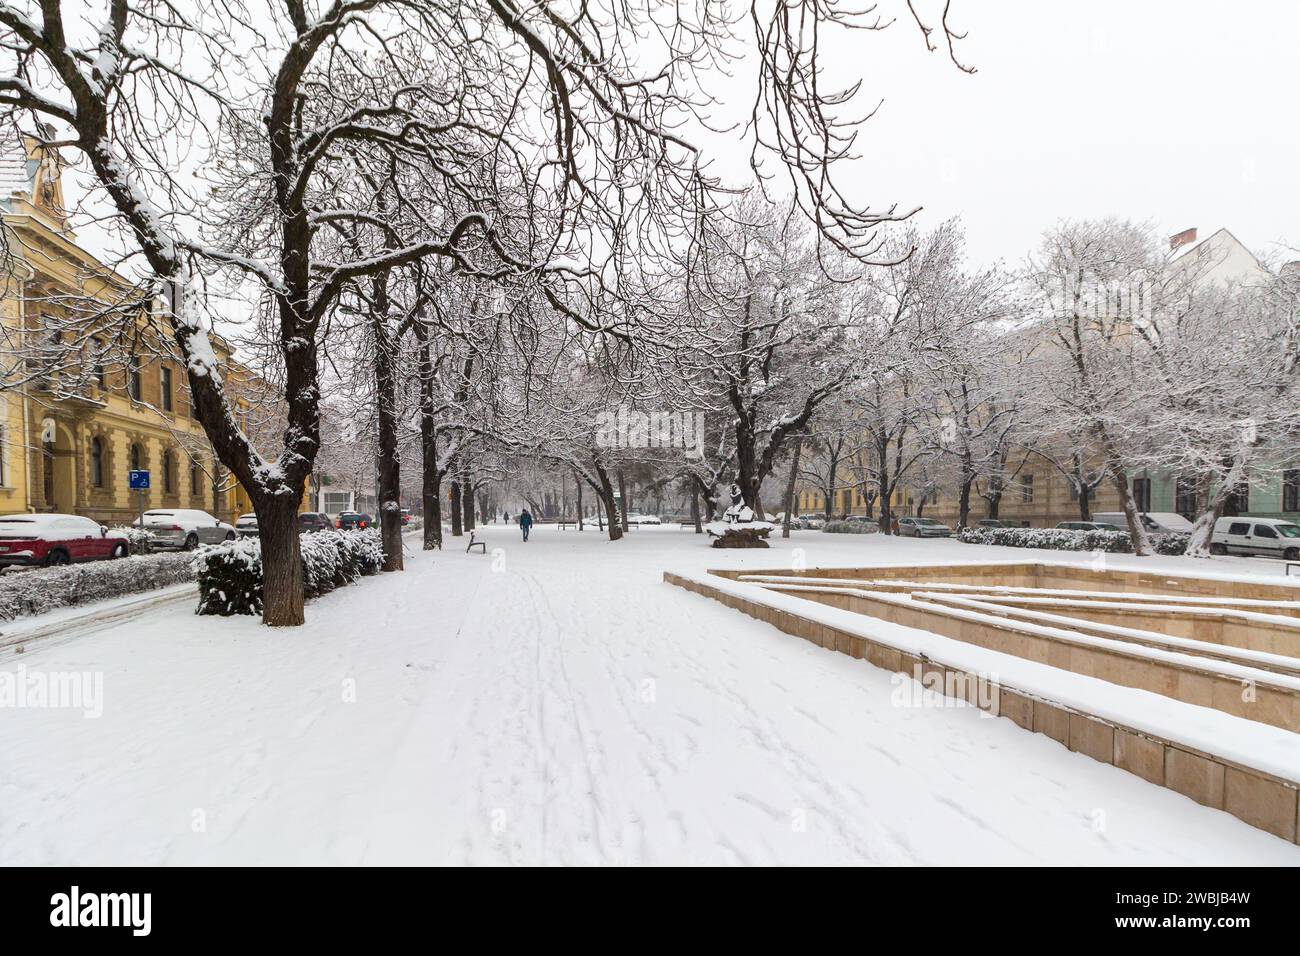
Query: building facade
[(91, 388)]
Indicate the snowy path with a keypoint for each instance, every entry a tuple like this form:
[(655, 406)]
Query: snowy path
[(554, 702)]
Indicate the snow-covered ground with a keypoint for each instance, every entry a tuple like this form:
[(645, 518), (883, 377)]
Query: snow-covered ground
[(555, 702)]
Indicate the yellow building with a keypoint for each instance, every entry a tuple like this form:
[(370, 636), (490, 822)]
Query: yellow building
[(91, 389)]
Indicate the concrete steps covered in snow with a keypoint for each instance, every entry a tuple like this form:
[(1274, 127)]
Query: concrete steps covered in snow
[(1207, 718)]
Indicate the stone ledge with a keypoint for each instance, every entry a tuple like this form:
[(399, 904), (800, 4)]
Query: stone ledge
[(1258, 799)]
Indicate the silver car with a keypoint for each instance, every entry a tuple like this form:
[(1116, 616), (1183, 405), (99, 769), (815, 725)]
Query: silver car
[(184, 529), (923, 528)]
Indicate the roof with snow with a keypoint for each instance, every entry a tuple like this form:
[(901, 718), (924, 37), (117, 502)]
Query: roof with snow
[(1220, 256)]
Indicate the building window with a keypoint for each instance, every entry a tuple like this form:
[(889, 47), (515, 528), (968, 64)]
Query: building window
[(1185, 497), (1291, 490), (97, 462), (133, 378), (1027, 488), (195, 479), (1142, 494), (136, 457), (169, 473), (101, 370), (166, 389)]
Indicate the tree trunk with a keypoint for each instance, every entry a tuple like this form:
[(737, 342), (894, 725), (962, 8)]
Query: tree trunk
[(457, 510), (963, 494), (390, 476), (1085, 492), (578, 484), (1136, 530), (789, 488), (622, 500), (282, 584), (430, 477), (695, 509), (605, 489), (466, 497), (1198, 545), (886, 489)]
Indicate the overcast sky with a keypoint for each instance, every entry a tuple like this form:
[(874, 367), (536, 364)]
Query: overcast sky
[(1180, 112), (1183, 113)]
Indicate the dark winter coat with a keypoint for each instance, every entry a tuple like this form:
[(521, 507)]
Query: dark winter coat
[(525, 520)]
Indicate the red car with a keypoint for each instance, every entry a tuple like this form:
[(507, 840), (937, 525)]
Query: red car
[(49, 540)]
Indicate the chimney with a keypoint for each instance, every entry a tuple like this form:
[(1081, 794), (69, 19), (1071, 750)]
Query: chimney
[(1186, 237)]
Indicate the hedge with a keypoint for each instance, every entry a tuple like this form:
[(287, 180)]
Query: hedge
[(141, 540), (851, 527), (1061, 539), (230, 574), (47, 589)]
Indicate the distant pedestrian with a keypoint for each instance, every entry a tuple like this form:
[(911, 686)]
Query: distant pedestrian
[(505, 516), (893, 526), (525, 523)]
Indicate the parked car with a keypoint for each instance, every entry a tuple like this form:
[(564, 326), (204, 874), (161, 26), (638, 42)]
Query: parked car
[(1270, 537), (184, 528), (1161, 522), (994, 523), (643, 519), (910, 527), (814, 521), (246, 526), (406, 516), (54, 539), (351, 520), (314, 521), (1086, 526)]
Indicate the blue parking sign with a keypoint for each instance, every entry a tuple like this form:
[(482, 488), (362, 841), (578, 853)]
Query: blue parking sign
[(138, 480)]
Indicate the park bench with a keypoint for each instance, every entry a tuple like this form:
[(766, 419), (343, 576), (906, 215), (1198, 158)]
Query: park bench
[(481, 545)]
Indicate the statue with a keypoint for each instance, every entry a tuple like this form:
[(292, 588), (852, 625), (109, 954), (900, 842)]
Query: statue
[(738, 529), (739, 512)]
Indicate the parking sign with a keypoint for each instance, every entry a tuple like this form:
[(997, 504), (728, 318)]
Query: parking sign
[(138, 480)]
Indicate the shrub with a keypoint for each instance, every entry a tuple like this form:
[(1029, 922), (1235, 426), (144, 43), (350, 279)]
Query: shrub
[(1175, 542), (230, 574), (1061, 539), (850, 527), (140, 539), (46, 589)]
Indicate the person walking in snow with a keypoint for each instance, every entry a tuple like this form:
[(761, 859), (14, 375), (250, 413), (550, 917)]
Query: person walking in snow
[(525, 522), (893, 526)]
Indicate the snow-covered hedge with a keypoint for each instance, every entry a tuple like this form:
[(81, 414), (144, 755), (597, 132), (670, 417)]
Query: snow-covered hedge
[(1061, 539), (850, 527), (140, 540), (230, 574), (46, 589)]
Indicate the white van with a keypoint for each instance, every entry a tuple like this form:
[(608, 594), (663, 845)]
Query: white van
[(1160, 522), (1270, 537)]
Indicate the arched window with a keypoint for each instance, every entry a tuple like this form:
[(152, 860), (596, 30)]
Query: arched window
[(196, 479), (169, 472), (97, 462), (136, 458)]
